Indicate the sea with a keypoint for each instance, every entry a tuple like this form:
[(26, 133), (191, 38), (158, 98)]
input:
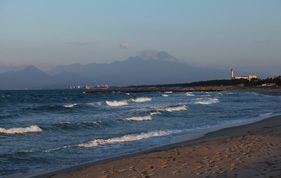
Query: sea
[(43, 130)]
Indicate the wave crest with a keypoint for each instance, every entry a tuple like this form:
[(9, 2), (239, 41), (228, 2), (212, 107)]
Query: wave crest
[(116, 103), (168, 92), (208, 101), (126, 138), (33, 128), (189, 94), (155, 113), (180, 108), (144, 118), (69, 105), (126, 102), (139, 100)]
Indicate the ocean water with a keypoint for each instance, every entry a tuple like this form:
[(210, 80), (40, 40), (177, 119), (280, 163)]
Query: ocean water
[(52, 129)]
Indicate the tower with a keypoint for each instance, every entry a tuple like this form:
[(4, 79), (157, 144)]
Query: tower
[(231, 73)]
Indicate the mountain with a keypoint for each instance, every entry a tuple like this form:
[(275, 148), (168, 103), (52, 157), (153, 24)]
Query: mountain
[(151, 67), (30, 77)]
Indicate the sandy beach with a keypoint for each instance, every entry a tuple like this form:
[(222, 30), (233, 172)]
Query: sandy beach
[(252, 150)]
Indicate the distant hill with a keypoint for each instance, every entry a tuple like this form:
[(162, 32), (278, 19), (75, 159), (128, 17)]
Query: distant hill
[(149, 68), (30, 77)]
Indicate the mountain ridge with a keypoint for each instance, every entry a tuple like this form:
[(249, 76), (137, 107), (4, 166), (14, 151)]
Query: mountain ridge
[(151, 67)]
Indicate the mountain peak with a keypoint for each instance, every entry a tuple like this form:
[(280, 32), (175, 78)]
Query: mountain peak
[(31, 69), (157, 55)]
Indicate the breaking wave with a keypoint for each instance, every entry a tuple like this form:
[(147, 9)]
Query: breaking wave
[(168, 92), (139, 100), (126, 102), (126, 138), (180, 108), (155, 113), (33, 128), (208, 101), (144, 118), (189, 94), (69, 105), (165, 95), (116, 103)]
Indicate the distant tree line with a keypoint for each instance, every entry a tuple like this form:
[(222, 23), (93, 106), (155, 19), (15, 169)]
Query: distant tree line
[(233, 82), (276, 80)]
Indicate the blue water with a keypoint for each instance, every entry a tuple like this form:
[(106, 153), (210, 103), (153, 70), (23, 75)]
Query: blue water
[(45, 130)]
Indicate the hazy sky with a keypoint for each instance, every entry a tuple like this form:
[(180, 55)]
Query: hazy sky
[(240, 34)]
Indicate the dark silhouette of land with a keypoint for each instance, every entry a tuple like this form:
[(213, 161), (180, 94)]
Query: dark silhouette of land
[(205, 86)]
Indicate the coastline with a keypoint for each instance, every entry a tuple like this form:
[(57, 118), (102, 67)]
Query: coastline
[(107, 168), (253, 149)]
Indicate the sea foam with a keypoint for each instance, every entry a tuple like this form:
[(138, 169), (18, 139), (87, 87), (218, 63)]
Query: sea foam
[(33, 128), (168, 92), (126, 138), (155, 113), (69, 105), (189, 94), (126, 102), (144, 118), (208, 101), (116, 103), (180, 108), (139, 100)]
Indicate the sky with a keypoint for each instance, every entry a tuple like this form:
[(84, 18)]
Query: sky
[(240, 34)]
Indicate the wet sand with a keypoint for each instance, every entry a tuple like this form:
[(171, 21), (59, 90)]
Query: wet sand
[(252, 150)]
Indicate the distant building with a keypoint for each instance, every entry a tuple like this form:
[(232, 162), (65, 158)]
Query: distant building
[(231, 73), (250, 77)]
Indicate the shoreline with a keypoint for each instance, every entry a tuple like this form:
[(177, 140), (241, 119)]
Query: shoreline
[(223, 135)]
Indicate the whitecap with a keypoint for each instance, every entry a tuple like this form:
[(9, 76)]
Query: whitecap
[(69, 105), (144, 118), (139, 100), (128, 94), (168, 92), (155, 113), (180, 108), (33, 128), (189, 94), (94, 103), (266, 114), (165, 95), (208, 101), (116, 103), (126, 138)]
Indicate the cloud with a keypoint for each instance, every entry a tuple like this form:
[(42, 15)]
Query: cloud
[(125, 45), (85, 43)]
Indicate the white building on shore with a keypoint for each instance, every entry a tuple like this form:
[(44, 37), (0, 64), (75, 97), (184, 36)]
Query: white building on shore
[(250, 77)]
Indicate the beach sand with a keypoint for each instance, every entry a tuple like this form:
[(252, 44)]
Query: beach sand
[(252, 150)]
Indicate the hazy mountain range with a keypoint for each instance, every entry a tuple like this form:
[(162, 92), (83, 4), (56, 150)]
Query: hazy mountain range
[(151, 67)]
